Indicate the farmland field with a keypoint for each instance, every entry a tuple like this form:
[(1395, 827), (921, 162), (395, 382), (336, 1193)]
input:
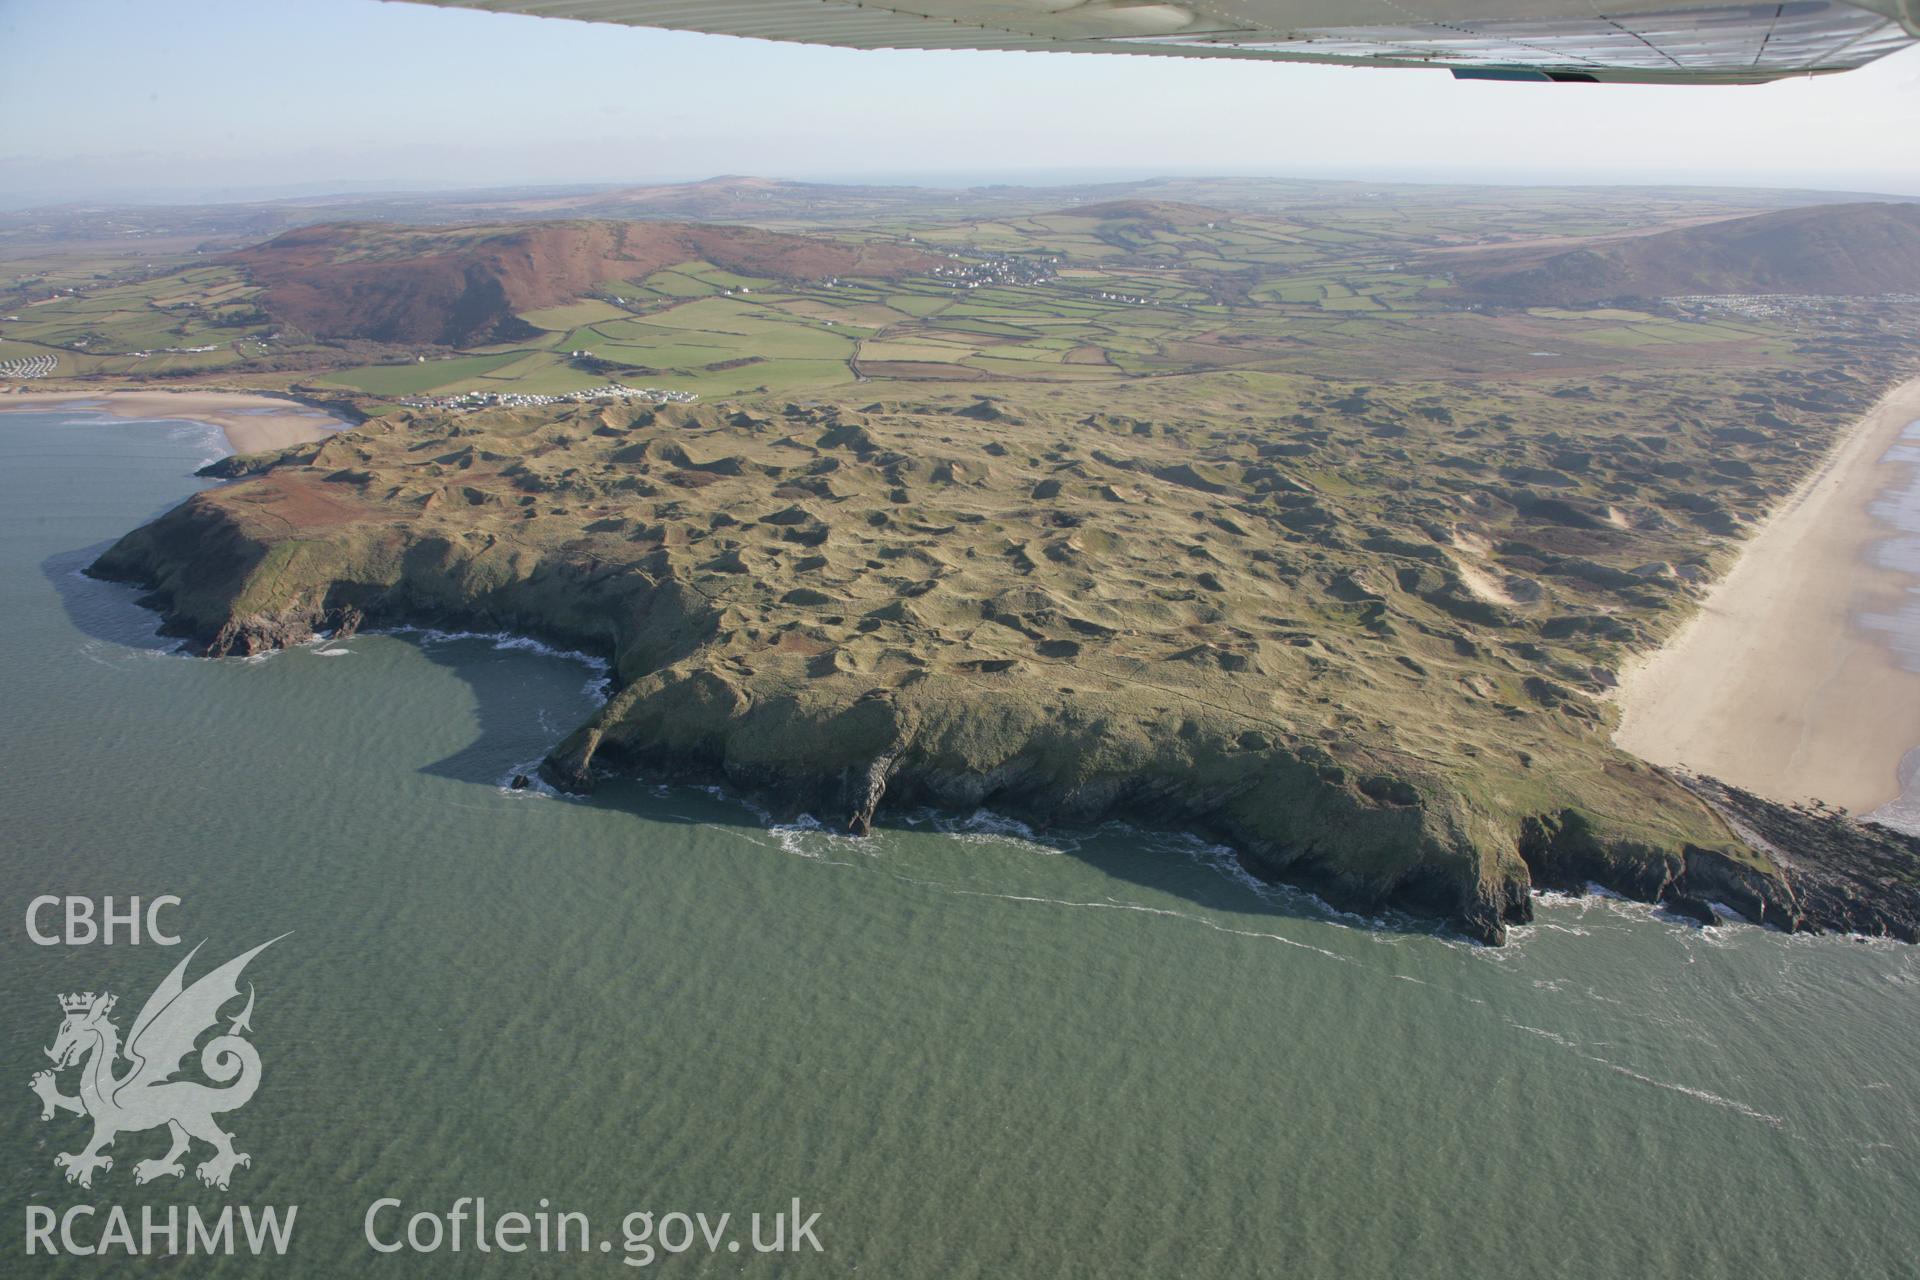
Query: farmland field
[(418, 378), (1261, 281)]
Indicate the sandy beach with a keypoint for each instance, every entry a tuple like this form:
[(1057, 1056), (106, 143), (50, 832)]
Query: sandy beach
[(1774, 686), (252, 422)]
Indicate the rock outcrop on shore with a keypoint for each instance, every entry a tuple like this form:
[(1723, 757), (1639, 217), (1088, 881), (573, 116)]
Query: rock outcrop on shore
[(1363, 641), (1840, 874)]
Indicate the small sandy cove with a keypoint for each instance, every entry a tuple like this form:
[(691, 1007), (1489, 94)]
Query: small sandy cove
[(1772, 686), (252, 422)]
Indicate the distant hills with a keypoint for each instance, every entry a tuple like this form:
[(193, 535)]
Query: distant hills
[(781, 203), (1169, 214), (460, 286), (1328, 252), (1840, 249)]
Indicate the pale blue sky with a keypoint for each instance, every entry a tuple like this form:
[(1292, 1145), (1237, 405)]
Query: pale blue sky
[(151, 97)]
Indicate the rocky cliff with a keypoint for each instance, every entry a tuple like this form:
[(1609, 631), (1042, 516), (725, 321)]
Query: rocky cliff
[(1176, 613)]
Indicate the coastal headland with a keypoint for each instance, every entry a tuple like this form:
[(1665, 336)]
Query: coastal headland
[(1137, 606), (1310, 539)]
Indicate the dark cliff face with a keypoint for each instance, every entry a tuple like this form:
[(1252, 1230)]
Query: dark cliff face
[(1288, 810), (847, 613), (846, 753), (1369, 845), (1842, 875)]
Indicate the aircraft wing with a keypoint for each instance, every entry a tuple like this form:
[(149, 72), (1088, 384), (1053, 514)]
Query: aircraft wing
[(1631, 41)]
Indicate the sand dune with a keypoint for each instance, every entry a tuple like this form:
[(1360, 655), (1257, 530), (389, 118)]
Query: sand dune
[(1773, 686)]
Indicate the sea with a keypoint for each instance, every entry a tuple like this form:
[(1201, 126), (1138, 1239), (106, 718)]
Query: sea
[(969, 1048), (1898, 628)]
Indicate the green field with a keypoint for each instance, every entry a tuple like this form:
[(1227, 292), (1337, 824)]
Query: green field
[(572, 314), (418, 378), (1337, 287)]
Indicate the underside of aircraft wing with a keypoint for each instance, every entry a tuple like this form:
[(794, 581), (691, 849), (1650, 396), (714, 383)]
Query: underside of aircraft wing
[(1578, 41)]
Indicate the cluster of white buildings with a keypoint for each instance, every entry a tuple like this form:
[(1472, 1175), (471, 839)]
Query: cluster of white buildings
[(173, 351), (999, 269), (1761, 306), (524, 400), (41, 366)]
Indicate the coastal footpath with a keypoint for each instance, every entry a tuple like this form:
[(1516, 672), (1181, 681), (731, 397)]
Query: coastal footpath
[(1363, 635)]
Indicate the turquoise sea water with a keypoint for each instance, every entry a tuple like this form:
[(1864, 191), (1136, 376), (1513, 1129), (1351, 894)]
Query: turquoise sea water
[(973, 1052)]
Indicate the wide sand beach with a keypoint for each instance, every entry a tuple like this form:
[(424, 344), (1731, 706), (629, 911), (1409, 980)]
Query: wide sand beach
[(252, 422), (1774, 685)]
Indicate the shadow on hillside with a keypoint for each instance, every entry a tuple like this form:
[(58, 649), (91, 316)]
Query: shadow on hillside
[(527, 698), (523, 707)]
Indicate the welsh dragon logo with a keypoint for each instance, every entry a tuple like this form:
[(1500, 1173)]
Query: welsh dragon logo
[(146, 1095)]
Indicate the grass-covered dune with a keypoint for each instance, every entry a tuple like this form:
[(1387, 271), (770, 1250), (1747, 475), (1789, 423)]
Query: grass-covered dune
[(1365, 635)]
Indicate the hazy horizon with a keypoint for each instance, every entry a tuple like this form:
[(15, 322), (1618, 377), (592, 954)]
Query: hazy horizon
[(204, 100), (349, 189)]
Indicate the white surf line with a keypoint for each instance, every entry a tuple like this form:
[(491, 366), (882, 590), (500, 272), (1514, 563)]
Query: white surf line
[(1141, 908), (1704, 1095), (1565, 1042), (504, 641), (777, 844)]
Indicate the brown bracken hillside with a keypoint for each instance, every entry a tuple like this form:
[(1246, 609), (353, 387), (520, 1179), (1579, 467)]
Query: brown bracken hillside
[(1848, 250), (455, 286)]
